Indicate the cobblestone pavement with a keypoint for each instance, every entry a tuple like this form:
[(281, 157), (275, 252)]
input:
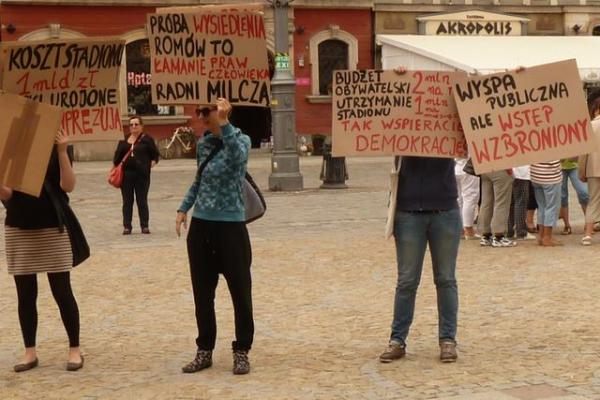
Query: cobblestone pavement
[(324, 282)]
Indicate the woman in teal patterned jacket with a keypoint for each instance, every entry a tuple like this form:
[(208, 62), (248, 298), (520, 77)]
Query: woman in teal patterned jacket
[(218, 240)]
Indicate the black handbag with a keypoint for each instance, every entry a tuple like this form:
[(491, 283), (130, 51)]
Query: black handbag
[(469, 168), (254, 202), (67, 218)]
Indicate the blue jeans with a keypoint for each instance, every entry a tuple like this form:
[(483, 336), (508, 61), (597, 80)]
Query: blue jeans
[(413, 232), (548, 199), (580, 187)]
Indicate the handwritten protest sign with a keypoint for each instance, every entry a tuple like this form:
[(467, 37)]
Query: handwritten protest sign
[(202, 53), (27, 132), (79, 75), (383, 113), (519, 118)]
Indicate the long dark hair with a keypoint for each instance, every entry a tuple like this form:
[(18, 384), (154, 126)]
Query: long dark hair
[(593, 102)]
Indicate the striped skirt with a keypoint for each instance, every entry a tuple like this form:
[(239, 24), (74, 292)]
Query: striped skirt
[(32, 251)]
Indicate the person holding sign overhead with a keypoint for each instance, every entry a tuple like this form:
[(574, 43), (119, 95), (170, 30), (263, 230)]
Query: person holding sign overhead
[(218, 240), (35, 243), (424, 212), (143, 156)]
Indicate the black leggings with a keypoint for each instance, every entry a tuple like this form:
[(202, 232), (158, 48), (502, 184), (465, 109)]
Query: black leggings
[(60, 284), (216, 247), (135, 185)]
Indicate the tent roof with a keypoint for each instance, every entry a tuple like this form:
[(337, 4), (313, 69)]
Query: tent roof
[(487, 54)]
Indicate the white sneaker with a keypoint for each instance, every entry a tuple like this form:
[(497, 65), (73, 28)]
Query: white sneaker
[(503, 242), (529, 236)]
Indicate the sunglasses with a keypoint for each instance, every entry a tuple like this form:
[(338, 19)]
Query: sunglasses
[(205, 111)]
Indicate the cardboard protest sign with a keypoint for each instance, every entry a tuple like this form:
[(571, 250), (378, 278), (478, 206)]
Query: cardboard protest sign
[(27, 132), (384, 113), (209, 52), (518, 118), (79, 75)]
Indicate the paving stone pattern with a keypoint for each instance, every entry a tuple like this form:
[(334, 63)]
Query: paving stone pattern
[(324, 280)]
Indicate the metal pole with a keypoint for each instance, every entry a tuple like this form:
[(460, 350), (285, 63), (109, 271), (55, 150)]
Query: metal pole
[(285, 162)]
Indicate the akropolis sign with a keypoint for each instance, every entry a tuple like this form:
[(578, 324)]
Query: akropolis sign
[(472, 23)]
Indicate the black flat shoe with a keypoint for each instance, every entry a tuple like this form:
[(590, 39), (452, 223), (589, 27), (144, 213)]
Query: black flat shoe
[(26, 367), (146, 231), (126, 231), (75, 366)]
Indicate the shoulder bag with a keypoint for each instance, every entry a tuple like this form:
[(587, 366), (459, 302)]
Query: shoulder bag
[(67, 218), (254, 202), (115, 176)]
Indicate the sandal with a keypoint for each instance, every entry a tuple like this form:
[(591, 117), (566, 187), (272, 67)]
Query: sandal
[(566, 230), (586, 241), (532, 229)]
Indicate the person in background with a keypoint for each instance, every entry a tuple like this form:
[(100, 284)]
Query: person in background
[(531, 207), (496, 195), (136, 177), (517, 225), (547, 183), (35, 245), (570, 172), (423, 212), (468, 197), (589, 171), (218, 240)]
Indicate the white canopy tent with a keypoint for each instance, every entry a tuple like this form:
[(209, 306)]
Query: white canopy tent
[(489, 54)]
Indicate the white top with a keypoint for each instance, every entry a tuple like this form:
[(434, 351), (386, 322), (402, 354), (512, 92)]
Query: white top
[(522, 172), (458, 167)]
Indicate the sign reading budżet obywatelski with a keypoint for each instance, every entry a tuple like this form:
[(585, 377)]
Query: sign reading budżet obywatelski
[(209, 53), (384, 113), (79, 75), (519, 118)]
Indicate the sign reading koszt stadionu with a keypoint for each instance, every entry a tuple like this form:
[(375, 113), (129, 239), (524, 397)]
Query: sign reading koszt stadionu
[(519, 118), (202, 53), (79, 75), (384, 113)]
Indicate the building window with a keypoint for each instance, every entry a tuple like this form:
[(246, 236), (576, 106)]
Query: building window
[(139, 100), (330, 50), (333, 55), (596, 31)]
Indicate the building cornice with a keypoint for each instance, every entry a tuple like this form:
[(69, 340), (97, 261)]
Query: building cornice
[(344, 4), (138, 3), (421, 8)]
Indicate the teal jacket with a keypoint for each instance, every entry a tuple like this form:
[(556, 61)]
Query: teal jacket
[(217, 196)]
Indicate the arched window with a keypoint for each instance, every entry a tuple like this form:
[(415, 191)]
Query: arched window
[(139, 99), (333, 55), (330, 49)]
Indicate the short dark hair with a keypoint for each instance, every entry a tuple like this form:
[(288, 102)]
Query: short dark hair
[(138, 118)]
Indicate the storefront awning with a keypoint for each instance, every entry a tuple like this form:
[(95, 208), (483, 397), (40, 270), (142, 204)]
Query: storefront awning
[(489, 54)]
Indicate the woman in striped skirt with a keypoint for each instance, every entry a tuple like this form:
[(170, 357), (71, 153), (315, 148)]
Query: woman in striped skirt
[(547, 182), (35, 245)]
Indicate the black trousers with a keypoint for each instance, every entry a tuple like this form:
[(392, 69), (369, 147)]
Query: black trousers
[(60, 285), (531, 202), (216, 247), (518, 208), (138, 185)]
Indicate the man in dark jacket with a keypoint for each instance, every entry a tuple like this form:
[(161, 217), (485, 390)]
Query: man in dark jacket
[(426, 213)]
